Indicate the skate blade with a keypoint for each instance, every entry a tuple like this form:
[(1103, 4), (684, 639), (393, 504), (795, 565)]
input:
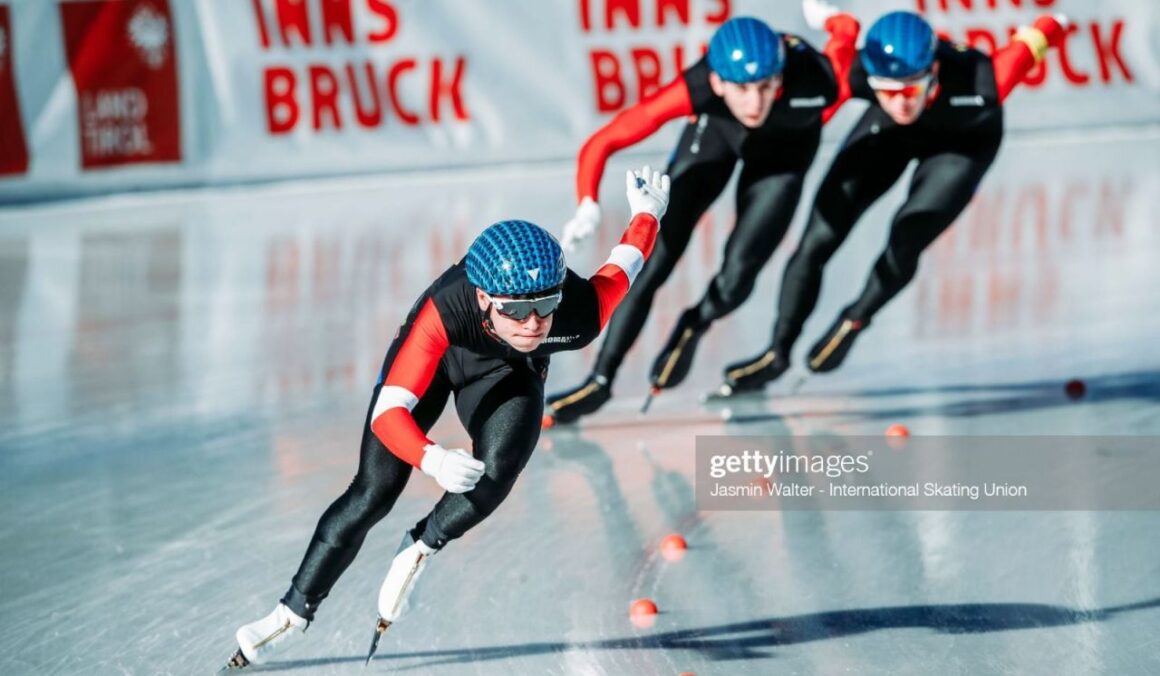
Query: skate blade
[(380, 628), (648, 399), (237, 661)]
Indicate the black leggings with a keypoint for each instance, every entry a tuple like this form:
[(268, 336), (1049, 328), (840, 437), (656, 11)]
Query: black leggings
[(767, 194), (765, 207), (499, 402), (867, 166)]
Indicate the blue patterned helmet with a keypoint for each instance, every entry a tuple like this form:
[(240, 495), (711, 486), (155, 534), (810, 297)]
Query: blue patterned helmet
[(744, 49), (512, 258), (899, 45)]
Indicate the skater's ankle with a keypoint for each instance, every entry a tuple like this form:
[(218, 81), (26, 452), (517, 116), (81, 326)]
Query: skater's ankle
[(426, 536), (694, 319), (860, 319), (302, 605)]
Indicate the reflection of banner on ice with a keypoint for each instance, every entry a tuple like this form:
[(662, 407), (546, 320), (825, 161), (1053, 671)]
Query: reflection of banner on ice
[(13, 151), (122, 57)]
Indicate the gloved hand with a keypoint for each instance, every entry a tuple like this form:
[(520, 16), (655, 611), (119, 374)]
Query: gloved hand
[(648, 192), (455, 470), (817, 12), (582, 225)]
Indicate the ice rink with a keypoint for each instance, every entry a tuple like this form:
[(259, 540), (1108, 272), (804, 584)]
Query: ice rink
[(184, 377)]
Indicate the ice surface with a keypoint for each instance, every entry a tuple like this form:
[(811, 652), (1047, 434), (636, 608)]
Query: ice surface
[(183, 379)]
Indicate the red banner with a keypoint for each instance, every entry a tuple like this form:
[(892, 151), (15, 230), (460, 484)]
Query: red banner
[(13, 150), (123, 62)]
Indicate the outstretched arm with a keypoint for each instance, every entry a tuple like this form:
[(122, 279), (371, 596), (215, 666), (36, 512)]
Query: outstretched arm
[(629, 127), (648, 197), (1028, 47)]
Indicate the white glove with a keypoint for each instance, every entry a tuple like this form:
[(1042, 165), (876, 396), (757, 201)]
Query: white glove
[(648, 192), (817, 12), (582, 225), (455, 470)]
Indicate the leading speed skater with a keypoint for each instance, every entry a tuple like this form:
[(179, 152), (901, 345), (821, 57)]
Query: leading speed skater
[(483, 332)]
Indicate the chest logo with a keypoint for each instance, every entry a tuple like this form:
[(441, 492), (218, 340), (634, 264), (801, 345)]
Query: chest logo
[(811, 102), (974, 101), (534, 273)]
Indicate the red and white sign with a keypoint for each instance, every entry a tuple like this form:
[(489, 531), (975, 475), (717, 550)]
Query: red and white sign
[(122, 57), (13, 150), (272, 89)]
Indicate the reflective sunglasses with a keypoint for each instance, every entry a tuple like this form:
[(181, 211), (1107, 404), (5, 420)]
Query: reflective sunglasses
[(520, 309), (907, 88)]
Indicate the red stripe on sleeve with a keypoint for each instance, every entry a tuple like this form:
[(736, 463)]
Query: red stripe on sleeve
[(610, 281), (1013, 62), (641, 233), (412, 369), (630, 126), (841, 50), (611, 286)]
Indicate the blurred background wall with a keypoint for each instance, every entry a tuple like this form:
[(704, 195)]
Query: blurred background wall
[(101, 96)]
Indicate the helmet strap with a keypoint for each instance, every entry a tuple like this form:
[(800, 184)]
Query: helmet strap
[(488, 325), (932, 90)]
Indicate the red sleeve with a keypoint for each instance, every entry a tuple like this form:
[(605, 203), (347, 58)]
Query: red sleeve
[(1027, 48), (411, 372), (613, 278), (841, 50), (628, 127)]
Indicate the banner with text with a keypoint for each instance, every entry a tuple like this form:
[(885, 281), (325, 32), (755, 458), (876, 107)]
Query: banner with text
[(128, 94)]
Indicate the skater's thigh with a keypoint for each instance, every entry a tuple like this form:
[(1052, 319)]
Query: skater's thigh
[(765, 208), (501, 412), (945, 182)]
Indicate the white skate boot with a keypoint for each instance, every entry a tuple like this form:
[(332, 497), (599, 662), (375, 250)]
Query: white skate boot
[(406, 567), (258, 640)]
